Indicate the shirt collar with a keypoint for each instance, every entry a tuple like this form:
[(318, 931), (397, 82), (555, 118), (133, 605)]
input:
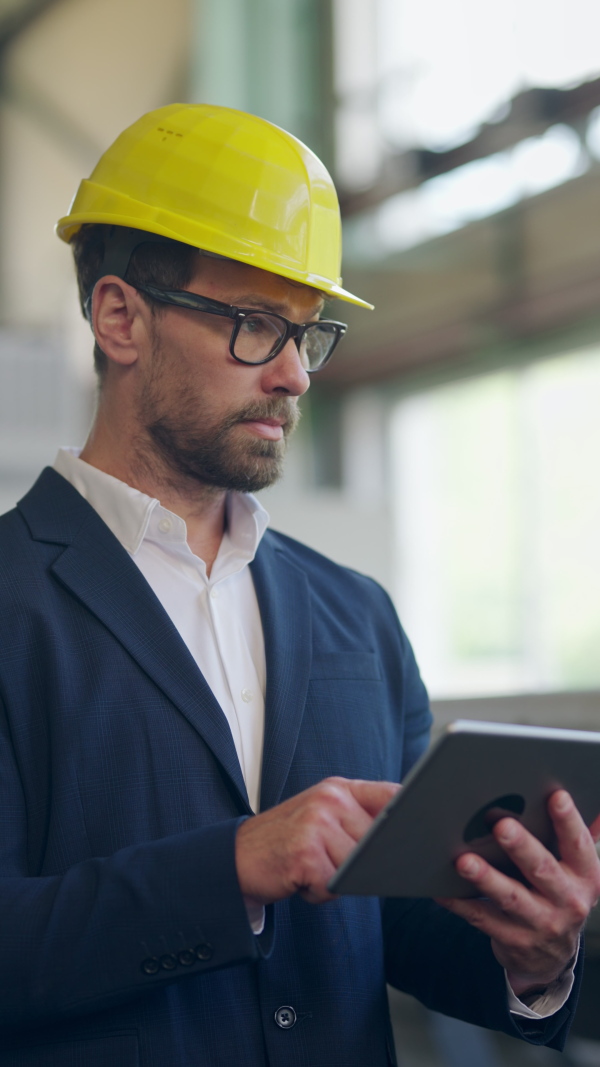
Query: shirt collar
[(132, 516)]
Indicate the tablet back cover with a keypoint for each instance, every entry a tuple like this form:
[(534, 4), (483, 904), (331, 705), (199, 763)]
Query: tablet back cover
[(473, 775)]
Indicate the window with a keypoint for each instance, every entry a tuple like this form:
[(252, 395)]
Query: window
[(497, 519)]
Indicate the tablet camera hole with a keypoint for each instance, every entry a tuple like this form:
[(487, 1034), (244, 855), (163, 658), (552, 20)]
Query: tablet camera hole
[(482, 822)]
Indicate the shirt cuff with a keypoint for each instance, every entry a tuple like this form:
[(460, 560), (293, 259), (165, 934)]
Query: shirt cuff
[(256, 916), (547, 1002)]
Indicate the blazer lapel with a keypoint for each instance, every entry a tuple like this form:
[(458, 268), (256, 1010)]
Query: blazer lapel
[(99, 572), (283, 597)]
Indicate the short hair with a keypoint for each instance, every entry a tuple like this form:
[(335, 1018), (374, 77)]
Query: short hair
[(168, 266)]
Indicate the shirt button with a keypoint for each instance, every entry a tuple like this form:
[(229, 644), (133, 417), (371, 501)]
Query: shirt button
[(165, 525), (247, 695), (214, 594), (285, 1017)]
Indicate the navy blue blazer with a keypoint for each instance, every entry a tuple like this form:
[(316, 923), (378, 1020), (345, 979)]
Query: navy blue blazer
[(124, 939)]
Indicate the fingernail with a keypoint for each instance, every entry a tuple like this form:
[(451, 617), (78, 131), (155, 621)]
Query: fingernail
[(507, 833), (562, 801), (469, 867)]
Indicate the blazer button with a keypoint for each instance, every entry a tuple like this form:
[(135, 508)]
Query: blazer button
[(168, 962), (285, 1017), (204, 951), (186, 957), (151, 965)]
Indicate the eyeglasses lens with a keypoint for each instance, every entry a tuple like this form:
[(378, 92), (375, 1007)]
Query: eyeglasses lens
[(317, 343), (261, 333), (258, 335)]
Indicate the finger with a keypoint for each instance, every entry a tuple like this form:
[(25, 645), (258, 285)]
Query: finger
[(595, 829), (575, 843), (507, 895), (485, 916), (541, 869), (313, 884), (333, 802), (373, 796), (338, 847), (355, 822)]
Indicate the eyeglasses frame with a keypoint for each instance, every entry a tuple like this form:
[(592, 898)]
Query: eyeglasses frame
[(293, 330)]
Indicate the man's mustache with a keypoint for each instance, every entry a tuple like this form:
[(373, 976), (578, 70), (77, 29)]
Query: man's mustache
[(282, 408)]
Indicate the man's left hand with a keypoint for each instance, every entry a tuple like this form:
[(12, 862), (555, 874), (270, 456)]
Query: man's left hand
[(535, 929)]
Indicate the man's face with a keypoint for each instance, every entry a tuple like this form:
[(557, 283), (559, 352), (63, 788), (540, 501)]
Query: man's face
[(209, 417)]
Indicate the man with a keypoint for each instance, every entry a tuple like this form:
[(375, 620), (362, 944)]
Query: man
[(169, 668)]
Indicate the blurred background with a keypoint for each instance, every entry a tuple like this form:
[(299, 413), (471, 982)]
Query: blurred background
[(451, 448)]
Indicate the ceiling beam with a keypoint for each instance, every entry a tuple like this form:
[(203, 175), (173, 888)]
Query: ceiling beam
[(529, 114)]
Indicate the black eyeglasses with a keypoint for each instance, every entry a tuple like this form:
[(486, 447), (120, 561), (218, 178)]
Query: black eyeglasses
[(259, 336)]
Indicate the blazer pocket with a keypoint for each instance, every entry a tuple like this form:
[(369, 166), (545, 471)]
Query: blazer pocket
[(114, 1050), (346, 666)]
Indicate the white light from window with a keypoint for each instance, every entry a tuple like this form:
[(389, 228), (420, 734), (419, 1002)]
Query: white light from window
[(446, 68), (592, 138), (479, 189), (497, 512)]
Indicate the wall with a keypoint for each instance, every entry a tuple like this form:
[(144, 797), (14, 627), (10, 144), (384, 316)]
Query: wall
[(74, 79)]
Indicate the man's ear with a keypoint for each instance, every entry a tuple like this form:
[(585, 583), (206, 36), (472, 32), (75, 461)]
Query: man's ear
[(118, 319)]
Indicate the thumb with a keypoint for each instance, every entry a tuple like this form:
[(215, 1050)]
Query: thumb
[(595, 828), (373, 796)]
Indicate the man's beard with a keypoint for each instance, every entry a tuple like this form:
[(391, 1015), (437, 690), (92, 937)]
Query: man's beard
[(215, 454)]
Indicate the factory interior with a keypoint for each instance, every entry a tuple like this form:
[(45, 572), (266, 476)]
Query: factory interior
[(450, 450)]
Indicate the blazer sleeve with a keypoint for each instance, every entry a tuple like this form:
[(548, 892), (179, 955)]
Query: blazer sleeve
[(109, 929)]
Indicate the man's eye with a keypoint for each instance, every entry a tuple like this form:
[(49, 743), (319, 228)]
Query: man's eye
[(251, 326), (259, 326)]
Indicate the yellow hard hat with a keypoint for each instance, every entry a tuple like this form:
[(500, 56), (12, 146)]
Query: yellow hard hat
[(223, 181)]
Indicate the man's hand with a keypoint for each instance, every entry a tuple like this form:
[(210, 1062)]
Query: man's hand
[(297, 846), (535, 930)]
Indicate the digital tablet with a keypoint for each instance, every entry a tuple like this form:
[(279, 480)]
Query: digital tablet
[(475, 774)]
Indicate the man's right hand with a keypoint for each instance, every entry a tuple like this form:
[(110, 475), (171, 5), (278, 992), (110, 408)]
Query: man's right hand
[(297, 846)]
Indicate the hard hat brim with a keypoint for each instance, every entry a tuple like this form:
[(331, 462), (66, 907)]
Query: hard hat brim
[(67, 227)]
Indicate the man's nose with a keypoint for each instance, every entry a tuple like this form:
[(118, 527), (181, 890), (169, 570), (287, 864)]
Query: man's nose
[(286, 373)]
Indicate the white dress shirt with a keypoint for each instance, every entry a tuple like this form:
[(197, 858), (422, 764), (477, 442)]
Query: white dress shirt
[(219, 620)]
